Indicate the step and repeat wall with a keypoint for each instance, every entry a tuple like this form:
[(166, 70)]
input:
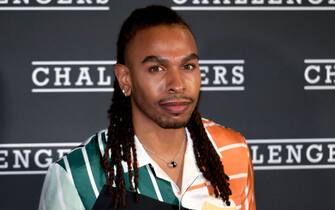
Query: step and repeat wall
[(267, 67)]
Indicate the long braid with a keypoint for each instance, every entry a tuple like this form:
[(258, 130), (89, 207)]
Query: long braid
[(120, 147), (208, 160)]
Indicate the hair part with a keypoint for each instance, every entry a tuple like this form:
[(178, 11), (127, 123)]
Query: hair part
[(120, 140), (144, 18)]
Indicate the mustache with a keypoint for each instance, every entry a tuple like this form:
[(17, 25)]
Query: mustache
[(176, 97)]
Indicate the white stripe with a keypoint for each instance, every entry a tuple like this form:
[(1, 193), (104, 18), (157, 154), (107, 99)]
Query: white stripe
[(246, 202), (221, 61), (19, 145), (79, 8), (319, 87), (232, 146), (22, 172), (238, 176), (71, 90), (294, 167), (213, 143), (68, 169), (319, 61), (238, 207), (89, 172), (255, 8), (154, 183), (101, 148), (283, 141), (60, 190), (83, 62), (225, 88)]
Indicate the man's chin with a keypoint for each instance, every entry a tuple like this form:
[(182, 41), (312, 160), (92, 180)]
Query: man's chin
[(173, 124)]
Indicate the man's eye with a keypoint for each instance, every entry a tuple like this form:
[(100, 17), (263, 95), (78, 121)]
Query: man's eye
[(189, 66), (155, 69)]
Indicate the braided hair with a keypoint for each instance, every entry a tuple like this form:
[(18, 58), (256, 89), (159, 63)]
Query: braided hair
[(120, 141)]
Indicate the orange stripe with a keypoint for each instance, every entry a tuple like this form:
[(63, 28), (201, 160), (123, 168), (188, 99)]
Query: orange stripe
[(198, 186), (194, 187)]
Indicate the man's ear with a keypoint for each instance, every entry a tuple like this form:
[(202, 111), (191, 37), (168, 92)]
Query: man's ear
[(122, 74)]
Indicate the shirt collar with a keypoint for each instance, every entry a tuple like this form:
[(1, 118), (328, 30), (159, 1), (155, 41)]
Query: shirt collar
[(143, 157), (190, 170)]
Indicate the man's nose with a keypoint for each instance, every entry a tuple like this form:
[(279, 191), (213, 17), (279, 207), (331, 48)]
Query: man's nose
[(176, 81)]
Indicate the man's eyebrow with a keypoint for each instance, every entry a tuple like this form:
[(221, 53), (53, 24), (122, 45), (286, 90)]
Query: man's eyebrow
[(153, 58), (158, 59), (192, 56)]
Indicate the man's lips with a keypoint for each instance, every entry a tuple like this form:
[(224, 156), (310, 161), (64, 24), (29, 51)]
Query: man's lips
[(175, 106)]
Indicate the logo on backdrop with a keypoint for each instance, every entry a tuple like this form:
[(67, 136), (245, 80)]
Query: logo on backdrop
[(97, 76), (72, 76), (319, 74), (33, 158), (24, 5), (254, 5), (266, 154), (222, 75), (284, 154)]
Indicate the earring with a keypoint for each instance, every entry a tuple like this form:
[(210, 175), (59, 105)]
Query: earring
[(125, 92)]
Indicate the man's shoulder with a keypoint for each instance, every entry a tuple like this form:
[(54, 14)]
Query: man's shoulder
[(221, 135), (90, 150)]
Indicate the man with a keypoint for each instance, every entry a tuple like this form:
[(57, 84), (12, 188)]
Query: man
[(157, 152)]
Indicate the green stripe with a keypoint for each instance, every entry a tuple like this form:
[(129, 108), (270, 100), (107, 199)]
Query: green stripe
[(81, 179), (145, 185), (166, 190), (95, 159), (62, 163)]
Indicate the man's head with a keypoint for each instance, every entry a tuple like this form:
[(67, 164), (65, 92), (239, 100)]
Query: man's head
[(157, 66)]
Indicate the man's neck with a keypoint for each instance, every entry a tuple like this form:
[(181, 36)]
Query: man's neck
[(160, 140)]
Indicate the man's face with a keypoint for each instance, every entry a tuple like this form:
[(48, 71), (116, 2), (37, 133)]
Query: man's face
[(164, 75)]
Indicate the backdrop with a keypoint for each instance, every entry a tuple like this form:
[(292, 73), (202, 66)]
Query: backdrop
[(267, 71)]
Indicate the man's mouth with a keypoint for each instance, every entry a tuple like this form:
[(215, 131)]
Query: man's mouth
[(176, 105)]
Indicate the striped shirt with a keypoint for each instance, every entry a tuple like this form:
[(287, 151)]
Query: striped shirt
[(74, 181)]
